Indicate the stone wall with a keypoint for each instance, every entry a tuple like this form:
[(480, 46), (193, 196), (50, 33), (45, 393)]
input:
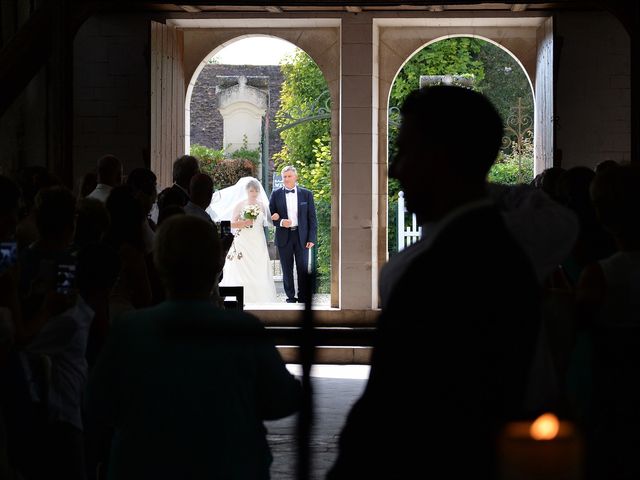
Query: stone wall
[(206, 121)]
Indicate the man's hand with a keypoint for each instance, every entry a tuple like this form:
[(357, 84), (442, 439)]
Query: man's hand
[(309, 245), (275, 217), (286, 223)]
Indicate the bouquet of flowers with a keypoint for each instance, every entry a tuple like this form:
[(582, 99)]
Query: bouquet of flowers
[(251, 211)]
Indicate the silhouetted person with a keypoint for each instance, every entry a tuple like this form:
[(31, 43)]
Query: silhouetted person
[(594, 242), (132, 288), (31, 180), (144, 184), (606, 358), (186, 385), (109, 176), (201, 188), (547, 181), (450, 361), (184, 168), (606, 165), (88, 184)]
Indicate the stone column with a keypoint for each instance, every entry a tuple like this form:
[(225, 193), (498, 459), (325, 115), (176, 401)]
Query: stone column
[(359, 182)]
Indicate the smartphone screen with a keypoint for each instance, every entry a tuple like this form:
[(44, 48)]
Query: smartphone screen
[(225, 228), (8, 255), (65, 278)]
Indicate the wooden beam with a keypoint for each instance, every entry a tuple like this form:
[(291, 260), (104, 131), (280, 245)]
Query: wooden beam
[(190, 8), (519, 7), (273, 9), (436, 8), (353, 9), (23, 56)]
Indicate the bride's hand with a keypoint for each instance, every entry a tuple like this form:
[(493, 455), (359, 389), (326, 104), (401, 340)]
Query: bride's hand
[(248, 223), (275, 217)]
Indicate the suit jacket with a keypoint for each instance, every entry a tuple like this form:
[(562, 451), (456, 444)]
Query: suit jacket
[(186, 387), (307, 222), (451, 360)]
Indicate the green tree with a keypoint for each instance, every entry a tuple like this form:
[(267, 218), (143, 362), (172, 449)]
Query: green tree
[(307, 146), (453, 56), (504, 82)]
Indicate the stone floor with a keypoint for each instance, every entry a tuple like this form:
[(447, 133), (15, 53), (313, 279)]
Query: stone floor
[(336, 388)]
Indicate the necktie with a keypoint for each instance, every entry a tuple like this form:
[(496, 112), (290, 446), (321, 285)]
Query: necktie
[(289, 191)]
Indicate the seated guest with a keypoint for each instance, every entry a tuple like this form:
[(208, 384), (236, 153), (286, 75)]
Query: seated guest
[(186, 385)]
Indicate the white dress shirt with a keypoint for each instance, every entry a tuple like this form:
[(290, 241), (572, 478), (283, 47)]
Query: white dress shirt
[(292, 206), (101, 192)]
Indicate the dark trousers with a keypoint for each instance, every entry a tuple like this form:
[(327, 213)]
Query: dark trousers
[(294, 250)]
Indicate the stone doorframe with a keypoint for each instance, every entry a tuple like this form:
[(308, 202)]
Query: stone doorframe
[(318, 37), (396, 40), (360, 55)]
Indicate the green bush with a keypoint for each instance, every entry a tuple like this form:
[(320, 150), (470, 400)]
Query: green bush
[(230, 170), (227, 169), (209, 157)]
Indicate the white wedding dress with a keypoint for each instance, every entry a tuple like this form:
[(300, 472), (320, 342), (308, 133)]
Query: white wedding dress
[(247, 264)]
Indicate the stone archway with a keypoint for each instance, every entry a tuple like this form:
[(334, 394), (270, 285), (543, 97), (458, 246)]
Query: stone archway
[(528, 40), (319, 38)]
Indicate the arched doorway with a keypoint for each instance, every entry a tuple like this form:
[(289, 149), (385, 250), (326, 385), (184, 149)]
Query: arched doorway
[(319, 38), (529, 39), (469, 61)]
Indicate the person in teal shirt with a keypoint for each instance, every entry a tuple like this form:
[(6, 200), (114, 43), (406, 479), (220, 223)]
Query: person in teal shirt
[(185, 385)]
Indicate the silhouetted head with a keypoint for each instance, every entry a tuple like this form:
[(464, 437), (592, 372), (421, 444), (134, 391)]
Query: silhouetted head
[(110, 170), (606, 165), (144, 184), (33, 179), (188, 257), (548, 181), (184, 168), (573, 191), (171, 196), (127, 217), (169, 211), (201, 189), (449, 137)]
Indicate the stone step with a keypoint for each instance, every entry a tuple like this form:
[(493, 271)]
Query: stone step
[(329, 355)]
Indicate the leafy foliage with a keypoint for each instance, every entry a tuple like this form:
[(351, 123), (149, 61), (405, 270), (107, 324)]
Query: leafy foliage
[(514, 167), (226, 170), (230, 170), (307, 146), (497, 75)]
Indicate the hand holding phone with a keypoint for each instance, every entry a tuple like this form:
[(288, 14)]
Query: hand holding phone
[(66, 278), (8, 255), (225, 228)]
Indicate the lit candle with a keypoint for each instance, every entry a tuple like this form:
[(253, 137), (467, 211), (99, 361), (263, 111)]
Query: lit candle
[(546, 449)]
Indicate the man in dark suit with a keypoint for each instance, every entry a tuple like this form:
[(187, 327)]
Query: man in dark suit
[(456, 337), (294, 216)]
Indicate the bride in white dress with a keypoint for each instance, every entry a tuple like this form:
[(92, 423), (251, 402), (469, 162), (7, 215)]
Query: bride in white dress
[(247, 263)]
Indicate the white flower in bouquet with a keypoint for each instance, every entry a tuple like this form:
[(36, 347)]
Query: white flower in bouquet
[(251, 211)]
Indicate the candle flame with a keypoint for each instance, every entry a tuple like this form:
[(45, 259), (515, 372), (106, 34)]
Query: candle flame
[(545, 427)]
